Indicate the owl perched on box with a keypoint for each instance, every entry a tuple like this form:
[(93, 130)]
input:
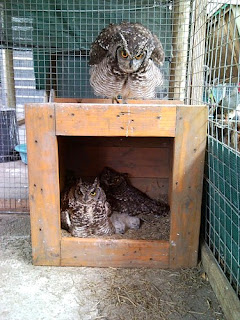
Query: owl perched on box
[(125, 198), (85, 210), (123, 60)]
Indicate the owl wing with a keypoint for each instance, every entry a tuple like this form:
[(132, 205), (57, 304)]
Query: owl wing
[(100, 46), (158, 55)]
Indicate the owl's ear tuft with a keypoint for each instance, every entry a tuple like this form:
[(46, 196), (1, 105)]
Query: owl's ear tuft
[(97, 182), (125, 176), (100, 46), (158, 54)]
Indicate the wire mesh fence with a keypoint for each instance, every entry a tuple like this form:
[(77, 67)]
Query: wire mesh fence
[(45, 45), (221, 205)]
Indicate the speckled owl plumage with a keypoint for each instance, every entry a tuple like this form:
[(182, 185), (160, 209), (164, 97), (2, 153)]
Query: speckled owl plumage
[(125, 198), (85, 210), (123, 60)]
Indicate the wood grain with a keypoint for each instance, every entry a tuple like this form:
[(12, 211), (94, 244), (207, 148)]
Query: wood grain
[(115, 120), (137, 162), (44, 198), (109, 101), (186, 185), (114, 253), (137, 142), (180, 36)]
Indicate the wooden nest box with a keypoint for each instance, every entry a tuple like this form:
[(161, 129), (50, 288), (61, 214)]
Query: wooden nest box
[(161, 144)]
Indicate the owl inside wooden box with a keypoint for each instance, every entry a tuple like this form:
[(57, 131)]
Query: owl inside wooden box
[(109, 205), (123, 60)]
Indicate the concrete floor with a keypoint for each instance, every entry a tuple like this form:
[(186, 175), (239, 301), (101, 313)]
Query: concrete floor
[(44, 293)]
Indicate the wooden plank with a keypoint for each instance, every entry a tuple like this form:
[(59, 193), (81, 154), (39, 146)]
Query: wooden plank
[(198, 52), (115, 120), (178, 70), (20, 122), (137, 162), (137, 142), (14, 205), (232, 43), (224, 292), (186, 185), (43, 184), (109, 101), (9, 91), (114, 253)]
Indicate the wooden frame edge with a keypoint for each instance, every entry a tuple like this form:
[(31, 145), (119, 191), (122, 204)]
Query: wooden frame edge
[(44, 193), (225, 294), (98, 252), (186, 185)]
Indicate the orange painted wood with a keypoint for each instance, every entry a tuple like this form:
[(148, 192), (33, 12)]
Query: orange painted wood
[(186, 185), (115, 120), (44, 198), (184, 157), (114, 253), (109, 101)]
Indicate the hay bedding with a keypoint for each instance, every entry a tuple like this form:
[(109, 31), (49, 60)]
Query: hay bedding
[(155, 294), (152, 228)]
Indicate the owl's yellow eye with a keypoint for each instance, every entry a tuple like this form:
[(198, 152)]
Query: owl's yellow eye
[(93, 193), (138, 57), (124, 54)]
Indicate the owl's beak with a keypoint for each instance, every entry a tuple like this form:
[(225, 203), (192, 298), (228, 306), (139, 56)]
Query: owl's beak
[(132, 64)]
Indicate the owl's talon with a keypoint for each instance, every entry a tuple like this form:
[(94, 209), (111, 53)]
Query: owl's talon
[(115, 99)]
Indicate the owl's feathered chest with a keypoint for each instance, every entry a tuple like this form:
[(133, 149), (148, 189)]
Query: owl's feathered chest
[(108, 80), (86, 213), (85, 218)]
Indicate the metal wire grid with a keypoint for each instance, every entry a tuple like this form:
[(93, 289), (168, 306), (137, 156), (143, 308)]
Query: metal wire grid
[(60, 35), (45, 45), (221, 200), (50, 42)]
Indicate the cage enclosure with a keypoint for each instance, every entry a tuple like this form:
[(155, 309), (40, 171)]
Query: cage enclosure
[(45, 45), (159, 143)]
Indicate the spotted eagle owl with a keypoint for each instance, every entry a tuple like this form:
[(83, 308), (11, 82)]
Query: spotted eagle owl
[(85, 210), (125, 198), (123, 60)]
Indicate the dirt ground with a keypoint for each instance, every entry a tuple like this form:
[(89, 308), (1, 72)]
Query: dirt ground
[(66, 293)]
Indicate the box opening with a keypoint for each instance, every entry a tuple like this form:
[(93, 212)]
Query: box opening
[(147, 160)]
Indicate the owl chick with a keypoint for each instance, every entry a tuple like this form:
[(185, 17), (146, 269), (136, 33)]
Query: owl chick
[(122, 222), (85, 210), (123, 60), (125, 198)]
